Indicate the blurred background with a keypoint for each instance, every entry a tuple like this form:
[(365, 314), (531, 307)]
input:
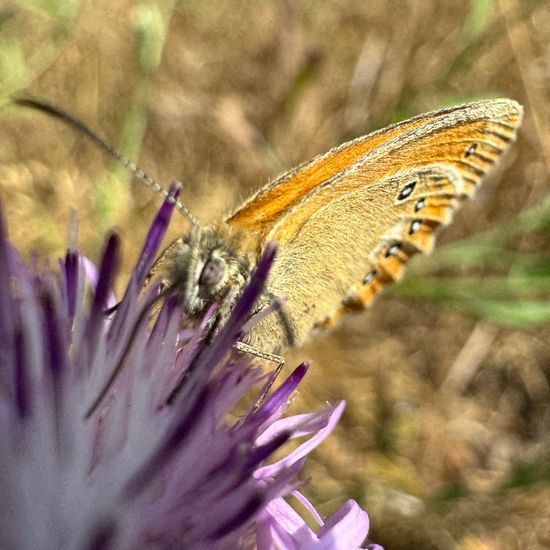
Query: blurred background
[(445, 439)]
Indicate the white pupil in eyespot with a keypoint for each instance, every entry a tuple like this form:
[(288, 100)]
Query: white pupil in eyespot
[(212, 272)]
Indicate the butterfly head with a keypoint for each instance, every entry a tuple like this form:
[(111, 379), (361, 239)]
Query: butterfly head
[(202, 268)]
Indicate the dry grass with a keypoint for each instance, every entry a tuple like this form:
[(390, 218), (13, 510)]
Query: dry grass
[(442, 408)]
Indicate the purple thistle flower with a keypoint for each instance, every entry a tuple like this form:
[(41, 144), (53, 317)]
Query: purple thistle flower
[(92, 455)]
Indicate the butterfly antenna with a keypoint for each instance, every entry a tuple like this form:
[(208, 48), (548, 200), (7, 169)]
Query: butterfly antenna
[(70, 120)]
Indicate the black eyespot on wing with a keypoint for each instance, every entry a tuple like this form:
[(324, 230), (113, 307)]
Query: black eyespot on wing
[(471, 150), (406, 191), (392, 250), (420, 205), (369, 277), (414, 227)]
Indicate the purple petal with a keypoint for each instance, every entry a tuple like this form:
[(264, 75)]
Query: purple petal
[(70, 269), (291, 424), (109, 265), (21, 383), (54, 341), (262, 452), (308, 506), (240, 517), (91, 276), (90, 272), (292, 530), (346, 529), (280, 396), (156, 234)]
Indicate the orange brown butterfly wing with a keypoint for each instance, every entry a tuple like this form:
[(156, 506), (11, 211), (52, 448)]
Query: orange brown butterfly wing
[(268, 204), (349, 220), (385, 151)]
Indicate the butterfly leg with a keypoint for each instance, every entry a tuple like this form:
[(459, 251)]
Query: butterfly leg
[(277, 359)]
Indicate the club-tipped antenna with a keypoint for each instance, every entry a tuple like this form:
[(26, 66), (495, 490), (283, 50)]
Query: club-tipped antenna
[(138, 173)]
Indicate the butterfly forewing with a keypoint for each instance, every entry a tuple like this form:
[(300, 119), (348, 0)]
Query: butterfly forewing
[(446, 139), (348, 221), (445, 135)]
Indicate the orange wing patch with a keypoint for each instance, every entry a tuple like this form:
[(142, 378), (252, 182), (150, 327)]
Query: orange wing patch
[(265, 207)]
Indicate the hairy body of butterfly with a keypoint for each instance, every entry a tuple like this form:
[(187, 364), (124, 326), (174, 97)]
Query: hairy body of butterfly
[(347, 221)]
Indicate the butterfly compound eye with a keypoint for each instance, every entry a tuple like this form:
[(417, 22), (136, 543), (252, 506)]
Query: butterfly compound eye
[(212, 272)]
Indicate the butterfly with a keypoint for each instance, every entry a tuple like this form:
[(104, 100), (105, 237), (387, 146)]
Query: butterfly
[(347, 222)]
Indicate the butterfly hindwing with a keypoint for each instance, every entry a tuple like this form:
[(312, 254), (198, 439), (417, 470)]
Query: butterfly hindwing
[(380, 229), (432, 196)]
